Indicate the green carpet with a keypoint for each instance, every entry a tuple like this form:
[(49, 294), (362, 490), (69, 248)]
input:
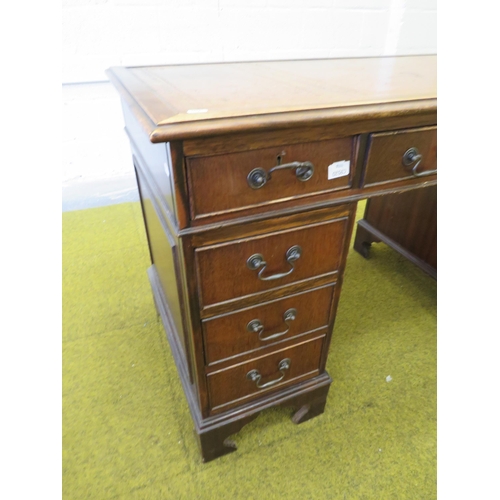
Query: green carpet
[(127, 431)]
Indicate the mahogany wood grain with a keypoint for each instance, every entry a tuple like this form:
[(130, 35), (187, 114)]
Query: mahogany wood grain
[(164, 254), (405, 221), (219, 183), (230, 386), (300, 205), (338, 286), (386, 150), (155, 156), (215, 442), (307, 399), (178, 179), (198, 100), (231, 229), (227, 336), (272, 294), (350, 118), (248, 140), (224, 274)]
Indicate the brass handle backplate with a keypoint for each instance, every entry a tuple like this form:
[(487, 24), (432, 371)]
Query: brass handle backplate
[(257, 261), (412, 158), (255, 376), (256, 325), (258, 177)]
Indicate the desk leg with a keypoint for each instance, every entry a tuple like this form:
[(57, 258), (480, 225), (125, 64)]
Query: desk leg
[(315, 406), (363, 240), (216, 442)]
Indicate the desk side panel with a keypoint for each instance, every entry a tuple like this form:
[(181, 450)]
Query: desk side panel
[(157, 163), (410, 219), (165, 256)]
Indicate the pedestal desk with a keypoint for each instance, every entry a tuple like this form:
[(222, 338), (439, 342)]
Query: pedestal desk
[(249, 175)]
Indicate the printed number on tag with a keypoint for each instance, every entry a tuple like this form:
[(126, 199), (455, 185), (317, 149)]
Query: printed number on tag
[(338, 169)]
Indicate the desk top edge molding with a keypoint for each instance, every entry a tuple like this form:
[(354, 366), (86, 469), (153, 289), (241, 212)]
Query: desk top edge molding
[(163, 122)]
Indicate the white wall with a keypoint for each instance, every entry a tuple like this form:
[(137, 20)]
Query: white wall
[(98, 34)]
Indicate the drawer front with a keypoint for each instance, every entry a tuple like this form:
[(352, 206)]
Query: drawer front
[(266, 324), (261, 375), (221, 183), (252, 265), (405, 154)]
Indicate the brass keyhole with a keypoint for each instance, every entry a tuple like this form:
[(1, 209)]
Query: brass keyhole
[(280, 157)]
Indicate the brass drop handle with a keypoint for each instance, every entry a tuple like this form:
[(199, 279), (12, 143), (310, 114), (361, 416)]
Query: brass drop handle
[(258, 177), (256, 325), (257, 261), (255, 376), (411, 156)]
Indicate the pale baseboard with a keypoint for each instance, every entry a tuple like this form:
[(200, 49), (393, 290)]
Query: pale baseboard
[(81, 194)]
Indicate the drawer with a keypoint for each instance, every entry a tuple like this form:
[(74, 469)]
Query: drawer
[(231, 182), (266, 324), (261, 375), (404, 154), (248, 266)]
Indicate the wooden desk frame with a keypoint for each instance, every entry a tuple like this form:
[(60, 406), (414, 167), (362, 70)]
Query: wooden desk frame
[(385, 106)]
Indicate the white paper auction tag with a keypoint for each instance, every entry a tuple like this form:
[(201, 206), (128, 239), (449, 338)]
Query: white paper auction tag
[(338, 169)]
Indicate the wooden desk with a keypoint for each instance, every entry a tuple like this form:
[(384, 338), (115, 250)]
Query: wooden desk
[(249, 174)]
